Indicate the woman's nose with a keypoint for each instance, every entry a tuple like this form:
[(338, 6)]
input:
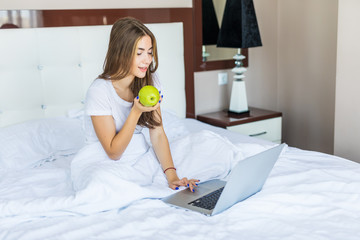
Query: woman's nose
[(148, 59)]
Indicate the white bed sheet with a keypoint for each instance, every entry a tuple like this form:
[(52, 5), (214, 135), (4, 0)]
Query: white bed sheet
[(308, 195)]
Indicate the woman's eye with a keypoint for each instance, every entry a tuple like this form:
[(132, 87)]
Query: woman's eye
[(149, 53)]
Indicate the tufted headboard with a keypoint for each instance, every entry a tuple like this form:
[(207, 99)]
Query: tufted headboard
[(44, 72)]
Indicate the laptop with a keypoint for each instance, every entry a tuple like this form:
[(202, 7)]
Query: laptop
[(214, 196)]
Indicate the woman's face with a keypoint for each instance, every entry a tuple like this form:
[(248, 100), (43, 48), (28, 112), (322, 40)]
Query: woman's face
[(143, 57)]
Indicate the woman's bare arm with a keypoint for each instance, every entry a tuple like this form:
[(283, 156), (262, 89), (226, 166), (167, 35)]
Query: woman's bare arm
[(114, 143), (162, 149)]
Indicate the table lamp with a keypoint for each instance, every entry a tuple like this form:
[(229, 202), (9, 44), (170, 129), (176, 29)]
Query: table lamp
[(239, 29)]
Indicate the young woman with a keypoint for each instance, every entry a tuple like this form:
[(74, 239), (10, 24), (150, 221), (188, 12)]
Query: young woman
[(115, 115)]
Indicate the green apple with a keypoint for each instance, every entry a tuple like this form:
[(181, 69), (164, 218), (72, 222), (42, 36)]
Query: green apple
[(149, 96)]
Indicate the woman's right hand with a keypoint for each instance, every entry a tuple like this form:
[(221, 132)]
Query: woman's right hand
[(190, 183), (141, 108)]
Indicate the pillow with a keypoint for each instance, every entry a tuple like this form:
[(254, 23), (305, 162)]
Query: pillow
[(174, 126), (32, 143)]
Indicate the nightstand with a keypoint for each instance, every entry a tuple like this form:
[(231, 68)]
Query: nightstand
[(258, 122)]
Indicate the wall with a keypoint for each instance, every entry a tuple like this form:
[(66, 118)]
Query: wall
[(347, 111), (90, 4), (307, 72), (294, 72)]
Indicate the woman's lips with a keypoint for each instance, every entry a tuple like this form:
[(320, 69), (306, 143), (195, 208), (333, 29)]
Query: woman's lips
[(143, 69)]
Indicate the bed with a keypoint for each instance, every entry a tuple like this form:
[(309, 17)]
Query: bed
[(43, 80)]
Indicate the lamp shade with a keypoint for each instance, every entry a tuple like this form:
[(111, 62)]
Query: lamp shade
[(210, 24), (239, 28)]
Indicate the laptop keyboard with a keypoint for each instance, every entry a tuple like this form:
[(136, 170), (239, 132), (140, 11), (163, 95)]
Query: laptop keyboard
[(208, 201)]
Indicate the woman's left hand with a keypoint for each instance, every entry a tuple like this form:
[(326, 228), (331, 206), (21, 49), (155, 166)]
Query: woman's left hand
[(190, 183)]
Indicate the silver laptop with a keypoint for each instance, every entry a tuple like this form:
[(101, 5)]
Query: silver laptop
[(245, 179)]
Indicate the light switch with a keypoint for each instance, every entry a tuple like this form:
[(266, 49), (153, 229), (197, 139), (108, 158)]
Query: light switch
[(222, 78)]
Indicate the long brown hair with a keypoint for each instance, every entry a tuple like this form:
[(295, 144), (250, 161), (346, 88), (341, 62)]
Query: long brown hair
[(125, 34)]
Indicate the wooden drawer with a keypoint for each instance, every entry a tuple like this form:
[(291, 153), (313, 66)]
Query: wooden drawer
[(269, 129)]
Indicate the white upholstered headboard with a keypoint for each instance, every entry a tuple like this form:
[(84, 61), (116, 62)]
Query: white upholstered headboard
[(44, 72)]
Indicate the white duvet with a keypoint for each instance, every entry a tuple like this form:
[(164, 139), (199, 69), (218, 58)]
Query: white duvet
[(102, 184), (308, 195)]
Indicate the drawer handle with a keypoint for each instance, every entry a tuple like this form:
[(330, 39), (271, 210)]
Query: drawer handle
[(258, 134)]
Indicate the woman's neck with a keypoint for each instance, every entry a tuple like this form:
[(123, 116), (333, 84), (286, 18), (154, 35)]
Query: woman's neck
[(122, 88), (124, 82)]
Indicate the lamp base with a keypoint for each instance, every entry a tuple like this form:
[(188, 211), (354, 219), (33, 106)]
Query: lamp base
[(238, 100), (246, 113)]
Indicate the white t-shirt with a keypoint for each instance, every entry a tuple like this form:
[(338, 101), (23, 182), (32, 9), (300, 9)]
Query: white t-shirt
[(102, 99)]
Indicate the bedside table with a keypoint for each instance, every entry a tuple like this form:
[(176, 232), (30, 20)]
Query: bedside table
[(258, 122)]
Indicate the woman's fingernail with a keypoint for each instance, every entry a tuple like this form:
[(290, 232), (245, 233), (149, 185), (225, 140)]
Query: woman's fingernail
[(162, 96), (188, 184), (137, 97), (197, 184), (176, 188), (159, 101), (159, 91), (193, 190)]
